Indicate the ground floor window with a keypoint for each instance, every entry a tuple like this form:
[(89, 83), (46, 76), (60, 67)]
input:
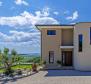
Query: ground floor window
[(51, 56)]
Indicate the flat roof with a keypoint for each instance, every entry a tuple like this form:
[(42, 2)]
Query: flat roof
[(54, 26), (40, 26)]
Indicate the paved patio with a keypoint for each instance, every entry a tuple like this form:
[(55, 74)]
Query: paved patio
[(54, 77)]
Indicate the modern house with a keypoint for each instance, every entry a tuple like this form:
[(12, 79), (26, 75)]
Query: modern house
[(68, 44)]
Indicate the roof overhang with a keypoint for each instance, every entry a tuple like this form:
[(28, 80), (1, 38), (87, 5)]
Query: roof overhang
[(39, 27)]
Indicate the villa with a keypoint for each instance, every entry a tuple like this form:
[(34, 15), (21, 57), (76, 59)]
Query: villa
[(68, 44)]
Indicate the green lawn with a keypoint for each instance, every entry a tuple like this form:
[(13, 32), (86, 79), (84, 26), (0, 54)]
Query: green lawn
[(1, 70), (23, 66)]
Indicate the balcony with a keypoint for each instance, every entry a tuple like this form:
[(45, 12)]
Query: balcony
[(66, 47)]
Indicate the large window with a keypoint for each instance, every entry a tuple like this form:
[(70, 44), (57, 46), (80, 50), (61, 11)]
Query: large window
[(51, 32), (90, 35), (80, 39), (51, 56)]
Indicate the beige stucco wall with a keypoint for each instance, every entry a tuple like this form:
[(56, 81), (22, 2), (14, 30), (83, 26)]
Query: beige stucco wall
[(82, 60), (51, 43), (67, 37)]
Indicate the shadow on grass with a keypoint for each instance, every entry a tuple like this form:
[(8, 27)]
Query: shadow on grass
[(14, 79), (51, 73)]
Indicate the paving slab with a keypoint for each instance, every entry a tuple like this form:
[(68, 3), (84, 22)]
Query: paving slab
[(54, 77)]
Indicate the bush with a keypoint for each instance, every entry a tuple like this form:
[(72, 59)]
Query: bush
[(58, 62), (34, 67), (8, 71), (44, 62)]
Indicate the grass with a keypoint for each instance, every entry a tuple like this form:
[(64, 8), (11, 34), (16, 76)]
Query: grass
[(21, 66), (1, 70)]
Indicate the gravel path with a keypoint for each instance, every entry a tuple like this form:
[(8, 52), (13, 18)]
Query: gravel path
[(54, 77)]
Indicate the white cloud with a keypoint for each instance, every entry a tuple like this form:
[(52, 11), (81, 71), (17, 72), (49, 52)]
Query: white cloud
[(27, 19), (44, 13), (38, 13), (23, 21), (56, 13), (21, 47), (21, 36), (21, 2), (74, 16), (1, 3)]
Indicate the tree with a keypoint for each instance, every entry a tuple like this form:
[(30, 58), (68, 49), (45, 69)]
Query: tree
[(8, 60), (0, 58)]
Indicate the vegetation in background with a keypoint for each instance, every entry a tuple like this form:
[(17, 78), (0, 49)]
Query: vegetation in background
[(34, 60), (8, 60), (18, 66), (13, 61)]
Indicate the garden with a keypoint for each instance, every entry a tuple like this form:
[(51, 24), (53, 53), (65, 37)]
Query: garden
[(16, 65)]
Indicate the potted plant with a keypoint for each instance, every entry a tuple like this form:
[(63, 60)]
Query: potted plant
[(59, 63), (34, 67)]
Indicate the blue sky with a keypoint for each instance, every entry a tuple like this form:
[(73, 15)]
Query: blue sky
[(19, 17)]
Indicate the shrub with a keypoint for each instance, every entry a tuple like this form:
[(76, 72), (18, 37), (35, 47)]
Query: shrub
[(58, 62), (8, 71), (44, 62), (34, 67)]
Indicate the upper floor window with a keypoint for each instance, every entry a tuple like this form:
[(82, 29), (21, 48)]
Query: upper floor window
[(51, 32), (80, 42), (90, 35)]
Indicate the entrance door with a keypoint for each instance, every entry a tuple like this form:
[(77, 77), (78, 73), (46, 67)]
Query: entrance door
[(67, 58)]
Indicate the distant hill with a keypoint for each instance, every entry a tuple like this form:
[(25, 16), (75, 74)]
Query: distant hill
[(31, 54)]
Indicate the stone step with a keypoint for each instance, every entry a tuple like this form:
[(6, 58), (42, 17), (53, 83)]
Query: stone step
[(58, 67)]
